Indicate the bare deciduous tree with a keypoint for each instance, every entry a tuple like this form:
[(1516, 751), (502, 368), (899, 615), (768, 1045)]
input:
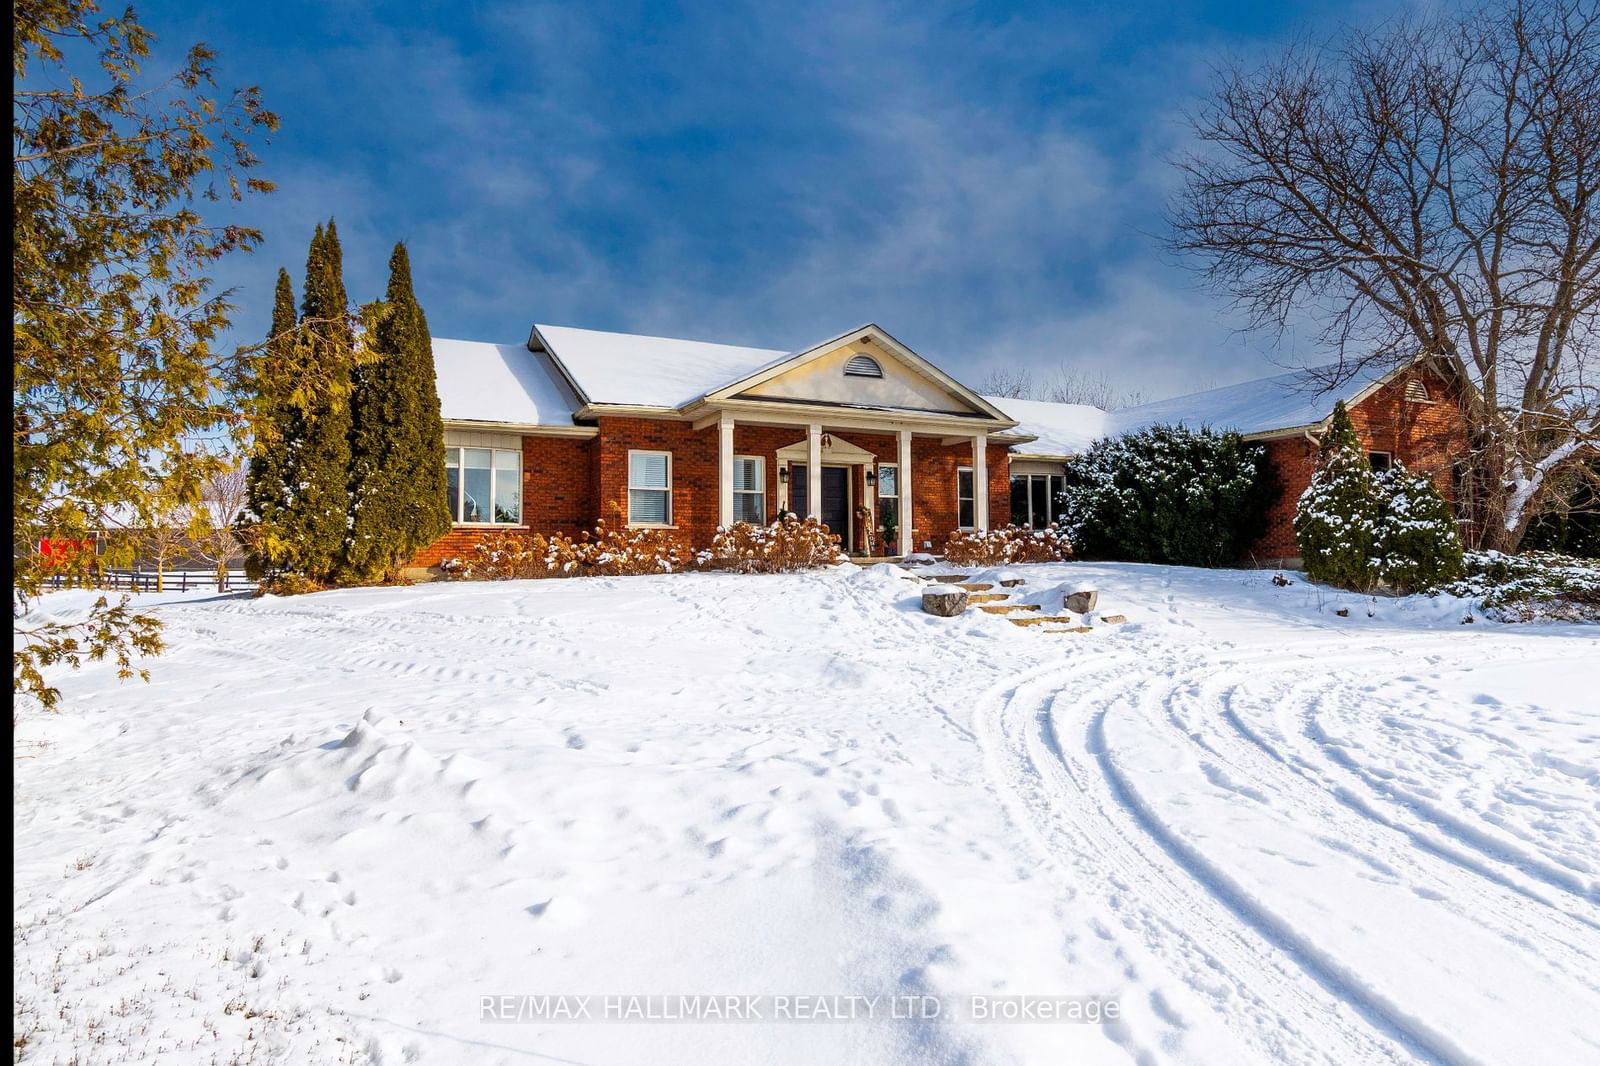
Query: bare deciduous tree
[(1063, 385), (1430, 189), (222, 501), (1010, 384)]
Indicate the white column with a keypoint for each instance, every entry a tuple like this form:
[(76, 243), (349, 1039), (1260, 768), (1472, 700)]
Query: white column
[(814, 471), (725, 468), (980, 481), (903, 472)]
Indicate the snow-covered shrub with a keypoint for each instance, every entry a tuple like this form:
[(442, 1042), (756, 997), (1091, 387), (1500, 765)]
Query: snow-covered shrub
[(1010, 544), (615, 551), (605, 551), (786, 545), (1169, 494), (498, 556), (1533, 586), (1337, 521), (1418, 546)]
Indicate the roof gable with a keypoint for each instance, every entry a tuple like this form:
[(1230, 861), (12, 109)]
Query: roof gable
[(905, 382)]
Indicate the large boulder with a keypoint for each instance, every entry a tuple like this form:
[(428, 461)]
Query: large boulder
[(944, 600), (1082, 601)]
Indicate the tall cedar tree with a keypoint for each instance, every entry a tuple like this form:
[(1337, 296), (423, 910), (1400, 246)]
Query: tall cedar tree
[(261, 526), (319, 507), (114, 315), (397, 485), (1337, 520)]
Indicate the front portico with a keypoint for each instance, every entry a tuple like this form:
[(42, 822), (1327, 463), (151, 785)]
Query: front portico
[(867, 385)]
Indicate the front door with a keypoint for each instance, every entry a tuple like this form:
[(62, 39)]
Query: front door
[(836, 502)]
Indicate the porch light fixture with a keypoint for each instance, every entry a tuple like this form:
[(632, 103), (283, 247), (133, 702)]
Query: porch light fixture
[(783, 475), (872, 478)]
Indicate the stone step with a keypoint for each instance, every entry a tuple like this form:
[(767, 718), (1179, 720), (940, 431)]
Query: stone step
[(950, 579), (1067, 629), (1041, 620), (1011, 582), (986, 597), (1010, 608), (976, 586)]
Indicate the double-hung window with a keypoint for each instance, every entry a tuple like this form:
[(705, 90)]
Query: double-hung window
[(889, 496), (965, 507), (649, 488), (749, 489), (484, 485)]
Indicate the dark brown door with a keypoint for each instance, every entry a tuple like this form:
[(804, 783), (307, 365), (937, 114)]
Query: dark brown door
[(836, 502)]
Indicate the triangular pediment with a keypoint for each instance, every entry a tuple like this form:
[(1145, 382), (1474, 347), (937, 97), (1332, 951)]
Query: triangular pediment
[(863, 368)]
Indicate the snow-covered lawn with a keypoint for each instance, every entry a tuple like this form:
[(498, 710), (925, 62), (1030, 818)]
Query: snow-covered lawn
[(333, 825)]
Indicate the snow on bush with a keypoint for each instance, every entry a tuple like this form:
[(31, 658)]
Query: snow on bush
[(1337, 520), (787, 545), (1169, 494), (604, 552), (1011, 544), (1417, 543), (1533, 586), (1357, 528)]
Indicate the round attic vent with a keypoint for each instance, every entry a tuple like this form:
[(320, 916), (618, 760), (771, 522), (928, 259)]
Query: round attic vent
[(863, 366)]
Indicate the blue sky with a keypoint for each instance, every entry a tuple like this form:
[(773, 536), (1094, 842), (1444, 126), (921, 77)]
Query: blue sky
[(984, 181)]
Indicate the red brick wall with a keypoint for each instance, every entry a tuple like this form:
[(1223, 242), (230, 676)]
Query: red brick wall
[(569, 484), (1426, 437), (558, 496)]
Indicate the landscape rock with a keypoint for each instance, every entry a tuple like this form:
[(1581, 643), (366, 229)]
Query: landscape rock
[(1113, 619), (946, 601), (1082, 602)]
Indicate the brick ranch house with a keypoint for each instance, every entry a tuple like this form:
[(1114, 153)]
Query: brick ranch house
[(578, 426)]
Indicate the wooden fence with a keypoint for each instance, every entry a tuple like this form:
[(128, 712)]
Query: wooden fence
[(142, 579)]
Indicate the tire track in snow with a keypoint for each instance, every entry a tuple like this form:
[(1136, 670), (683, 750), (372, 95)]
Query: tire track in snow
[(1544, 930), (1489, 890), (1068, 805)]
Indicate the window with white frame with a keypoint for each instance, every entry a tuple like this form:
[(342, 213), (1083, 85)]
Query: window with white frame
[(966, 511), (1036, 499), (484, 485), (649, 488), (749, 489), (1380, 461), (889, 496)]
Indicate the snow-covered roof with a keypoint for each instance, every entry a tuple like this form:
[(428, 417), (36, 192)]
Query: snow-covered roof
[(623, 368), (1061, 428), (1283, 401), (483, 382)]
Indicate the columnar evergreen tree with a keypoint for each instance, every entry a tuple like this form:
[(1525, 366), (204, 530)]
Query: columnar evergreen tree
[(319, 500), (1418, 545), (278, 431), (298, 511), (1336, 522), (397, 481)]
